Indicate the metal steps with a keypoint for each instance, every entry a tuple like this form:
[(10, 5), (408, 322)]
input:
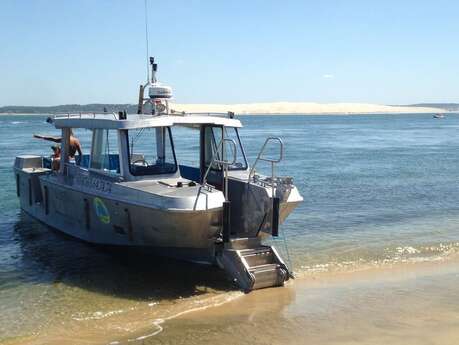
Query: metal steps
[(252, 265)]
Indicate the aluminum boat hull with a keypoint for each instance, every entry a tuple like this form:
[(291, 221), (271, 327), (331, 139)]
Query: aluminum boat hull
[(182, 234)]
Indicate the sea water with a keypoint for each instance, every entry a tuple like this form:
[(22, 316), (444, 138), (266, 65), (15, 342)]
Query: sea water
[(378, 190)]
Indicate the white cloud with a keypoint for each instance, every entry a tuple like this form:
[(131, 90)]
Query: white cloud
[(328, 76)]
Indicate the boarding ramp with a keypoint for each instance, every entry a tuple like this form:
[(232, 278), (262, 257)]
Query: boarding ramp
[(252, 265), (249, 263)]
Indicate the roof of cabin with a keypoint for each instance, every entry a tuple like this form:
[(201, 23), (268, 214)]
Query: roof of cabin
[(110, 121)]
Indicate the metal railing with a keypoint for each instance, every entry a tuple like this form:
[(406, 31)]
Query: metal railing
[(269, 160), (228, 114), (224, 163), (80, 115), (95, 114)]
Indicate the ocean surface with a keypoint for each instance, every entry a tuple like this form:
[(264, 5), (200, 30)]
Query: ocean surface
[(378, 190)]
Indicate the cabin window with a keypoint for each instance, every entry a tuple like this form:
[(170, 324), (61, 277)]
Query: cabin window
[(104, 152), (151, 151), (241, 161), (212, 147), (186, 143), (187, 150)]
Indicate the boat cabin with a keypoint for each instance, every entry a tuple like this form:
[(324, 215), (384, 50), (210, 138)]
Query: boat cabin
[(141, 147), (131, 187)]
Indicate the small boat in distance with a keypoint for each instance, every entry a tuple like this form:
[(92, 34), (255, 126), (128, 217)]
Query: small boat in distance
[(438, 116), (132, 190)]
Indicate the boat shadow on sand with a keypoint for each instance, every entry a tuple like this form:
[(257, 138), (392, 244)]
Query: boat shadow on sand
[(49, 257)]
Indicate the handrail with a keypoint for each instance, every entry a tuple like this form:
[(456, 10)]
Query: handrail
[(93, 114), (224, 163), (272, 161), (275, 200), (68, 115), (228, 114)]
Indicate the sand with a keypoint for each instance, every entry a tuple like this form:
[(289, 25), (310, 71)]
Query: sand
[(404, 304), (304, 108), (409, 303), (297, 108)]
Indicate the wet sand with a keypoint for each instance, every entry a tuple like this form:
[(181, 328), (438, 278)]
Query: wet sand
[(404, 304)]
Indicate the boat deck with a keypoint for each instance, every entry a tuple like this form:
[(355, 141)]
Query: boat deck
[(171, 187)]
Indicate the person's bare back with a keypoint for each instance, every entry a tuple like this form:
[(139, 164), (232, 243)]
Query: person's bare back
[(74, 147), (74, 143)]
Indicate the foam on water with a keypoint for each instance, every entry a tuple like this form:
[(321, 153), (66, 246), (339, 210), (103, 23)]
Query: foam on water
[(200, 305), (98, 315), (393, 256)]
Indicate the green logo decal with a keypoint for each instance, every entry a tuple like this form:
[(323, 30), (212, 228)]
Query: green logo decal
[(101, 211)]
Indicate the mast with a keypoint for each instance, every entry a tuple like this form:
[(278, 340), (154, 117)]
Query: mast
[(158, 95)]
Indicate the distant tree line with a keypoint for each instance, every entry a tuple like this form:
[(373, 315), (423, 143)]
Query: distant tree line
[(69, 108)]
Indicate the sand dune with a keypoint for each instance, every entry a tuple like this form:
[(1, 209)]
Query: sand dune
[(303, 108)]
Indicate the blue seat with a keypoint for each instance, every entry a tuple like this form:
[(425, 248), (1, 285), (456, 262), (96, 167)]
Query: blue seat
[(113, 162), (190, 173), (82, 161)]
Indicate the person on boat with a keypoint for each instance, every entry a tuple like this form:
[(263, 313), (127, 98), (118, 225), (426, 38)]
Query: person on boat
[(56, 156), (74, 147)]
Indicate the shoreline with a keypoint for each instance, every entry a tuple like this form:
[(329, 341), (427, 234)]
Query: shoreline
[(306, 108), (167, 321), (267, 108), (304, 296)]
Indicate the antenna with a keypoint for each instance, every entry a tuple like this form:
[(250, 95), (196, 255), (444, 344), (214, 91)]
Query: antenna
[(154, 68), (146, 39)]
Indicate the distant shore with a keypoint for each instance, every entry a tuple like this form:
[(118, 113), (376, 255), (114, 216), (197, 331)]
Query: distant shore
[(296, 108), (272, 108)]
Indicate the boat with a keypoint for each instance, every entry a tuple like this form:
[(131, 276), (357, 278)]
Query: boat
[(131, 190), (438, 116)]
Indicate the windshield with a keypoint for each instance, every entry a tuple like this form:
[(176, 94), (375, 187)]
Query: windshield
[(213, 148), (241, 161), (104, 152), (151, 151)]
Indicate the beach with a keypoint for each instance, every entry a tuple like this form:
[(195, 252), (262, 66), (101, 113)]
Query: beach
[(405, 303), (304, 108), (288, 108), (373, 246), (415, 304)]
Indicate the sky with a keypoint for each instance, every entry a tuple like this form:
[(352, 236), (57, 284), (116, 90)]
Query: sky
[(86, 51)]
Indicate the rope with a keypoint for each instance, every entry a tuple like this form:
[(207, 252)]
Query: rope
[(290, 264), (287, 252)]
